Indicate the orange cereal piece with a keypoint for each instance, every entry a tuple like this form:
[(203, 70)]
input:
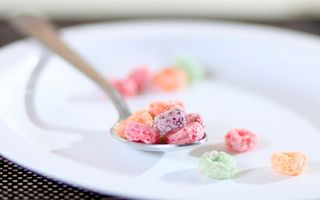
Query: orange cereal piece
[(141, 116), (119, 128), (158, 107), (170, 79), (289, 163)]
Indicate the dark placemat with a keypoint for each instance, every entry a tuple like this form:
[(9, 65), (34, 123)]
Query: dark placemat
[(18, 183)]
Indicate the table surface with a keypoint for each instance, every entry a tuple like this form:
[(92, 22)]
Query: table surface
[(17, 182)]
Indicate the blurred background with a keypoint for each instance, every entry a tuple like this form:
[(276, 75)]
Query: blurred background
[(298, 14), (98, 9)]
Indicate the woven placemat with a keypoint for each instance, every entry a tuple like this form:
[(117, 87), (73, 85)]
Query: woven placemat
[(18, 183)]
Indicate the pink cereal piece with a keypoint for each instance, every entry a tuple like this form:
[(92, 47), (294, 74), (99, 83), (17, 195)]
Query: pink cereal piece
[(127, 87), (138, 132), (141, 116), (157, 107), (142, 76), (240, 140), (186, 135), (195, 117), (170, 120)]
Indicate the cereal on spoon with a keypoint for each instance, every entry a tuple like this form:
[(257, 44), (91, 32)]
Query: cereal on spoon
[(162, 121)]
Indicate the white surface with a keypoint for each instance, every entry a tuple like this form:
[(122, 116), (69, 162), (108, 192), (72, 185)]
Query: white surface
[(241, 9), (265, 80)]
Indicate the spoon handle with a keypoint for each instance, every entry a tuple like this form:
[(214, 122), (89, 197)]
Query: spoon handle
[(47, 35)]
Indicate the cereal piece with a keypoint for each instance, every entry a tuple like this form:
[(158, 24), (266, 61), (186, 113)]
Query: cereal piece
[(127, 87), (141, 116), (119, 128), (170, 120), (138, 132), (240, 140), (170, 79), (195, 117), (186, 135), (193, 69), (157, 107), (142, 76), (217, 165), (289, 163)]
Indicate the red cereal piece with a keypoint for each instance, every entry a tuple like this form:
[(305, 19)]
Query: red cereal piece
[(171, 79), (127, 87), (195, 117), (142, 76), (157, 107), (186, 135), (240, 140), (138, 132), (141, 116)]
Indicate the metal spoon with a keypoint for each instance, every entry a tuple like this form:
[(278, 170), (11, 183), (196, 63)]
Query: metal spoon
[(46, 33)]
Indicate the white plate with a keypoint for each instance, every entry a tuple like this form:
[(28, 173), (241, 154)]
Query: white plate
[(56, 122)]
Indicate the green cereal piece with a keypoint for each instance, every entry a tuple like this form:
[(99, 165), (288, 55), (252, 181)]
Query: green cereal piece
[(193, 69), (217, 165)]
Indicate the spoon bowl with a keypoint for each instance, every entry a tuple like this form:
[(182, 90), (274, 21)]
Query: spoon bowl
[(158, 147)]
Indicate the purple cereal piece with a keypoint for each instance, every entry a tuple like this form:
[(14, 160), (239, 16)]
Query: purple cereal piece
[(170, 120), (195, 117)]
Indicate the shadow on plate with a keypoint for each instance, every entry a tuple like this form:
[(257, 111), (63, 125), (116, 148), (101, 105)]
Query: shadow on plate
[(259, 176), (187, 176), (312, 168), (197, 152), (99, 149), (104, 152)]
